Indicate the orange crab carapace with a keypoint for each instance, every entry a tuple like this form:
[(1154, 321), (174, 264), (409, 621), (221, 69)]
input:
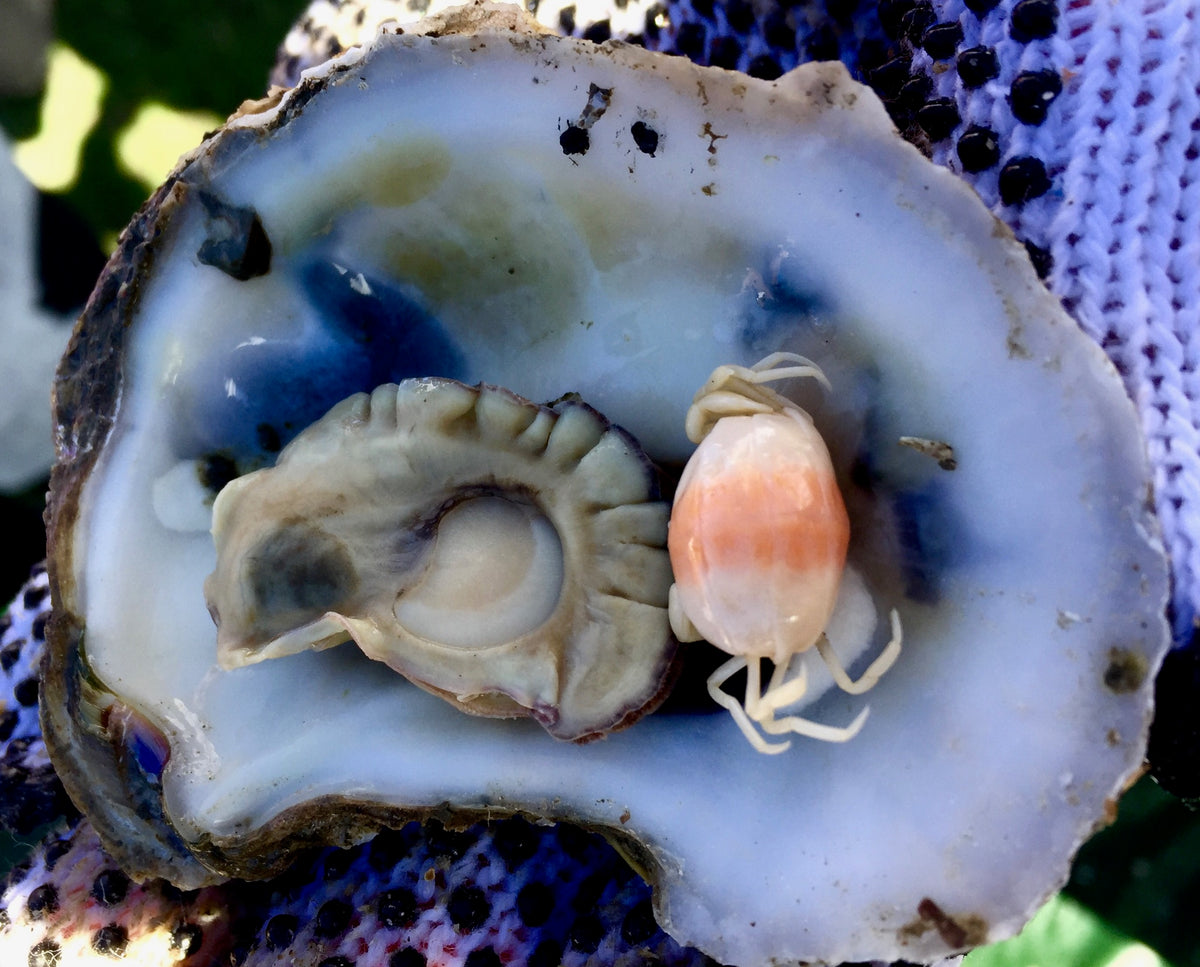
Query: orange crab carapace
[(758, 540)]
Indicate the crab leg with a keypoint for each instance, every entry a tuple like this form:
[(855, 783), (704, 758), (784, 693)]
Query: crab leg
[(736, 708), (878, 667), (815, 730)]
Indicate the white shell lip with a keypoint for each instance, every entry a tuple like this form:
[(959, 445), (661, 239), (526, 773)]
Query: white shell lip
[(832, 832)]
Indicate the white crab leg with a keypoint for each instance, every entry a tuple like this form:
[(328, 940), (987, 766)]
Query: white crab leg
[(878, 667), (815, 730), (708, 410), (735, 708), (764, 371), (780, 692)]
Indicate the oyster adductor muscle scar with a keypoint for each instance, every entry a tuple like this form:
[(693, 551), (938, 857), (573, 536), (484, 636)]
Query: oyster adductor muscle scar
[(409, 213), (506, 556)]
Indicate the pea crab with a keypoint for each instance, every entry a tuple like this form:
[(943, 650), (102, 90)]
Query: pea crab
[(758, 541)]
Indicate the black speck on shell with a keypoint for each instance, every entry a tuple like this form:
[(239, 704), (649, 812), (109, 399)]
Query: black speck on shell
[(409, 957), (236, 242), (336, 961), (574, 140), (645, 137)]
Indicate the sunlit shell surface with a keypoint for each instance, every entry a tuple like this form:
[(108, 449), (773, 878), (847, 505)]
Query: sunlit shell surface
[(551, 217)]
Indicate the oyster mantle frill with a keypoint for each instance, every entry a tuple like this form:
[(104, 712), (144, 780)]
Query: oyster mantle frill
[(477, 201)]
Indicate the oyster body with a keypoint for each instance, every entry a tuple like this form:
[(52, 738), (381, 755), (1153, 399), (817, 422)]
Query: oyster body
[(506, 556), (478, 201)]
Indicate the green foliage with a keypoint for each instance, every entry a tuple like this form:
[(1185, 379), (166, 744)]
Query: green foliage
[(187, 55), (1066, 933)]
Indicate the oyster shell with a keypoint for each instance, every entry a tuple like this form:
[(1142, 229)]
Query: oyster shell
[(474, 200)]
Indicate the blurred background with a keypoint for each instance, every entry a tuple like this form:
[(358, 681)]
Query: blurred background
[(97, 101), (98, 98)]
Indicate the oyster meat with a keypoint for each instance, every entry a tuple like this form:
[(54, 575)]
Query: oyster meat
[(378, 523), (473, 200)]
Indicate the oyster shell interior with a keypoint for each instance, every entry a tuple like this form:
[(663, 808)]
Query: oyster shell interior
[(486, 203)]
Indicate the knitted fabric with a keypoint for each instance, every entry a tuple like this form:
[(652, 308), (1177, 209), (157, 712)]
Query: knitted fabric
[(1077, 123)]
